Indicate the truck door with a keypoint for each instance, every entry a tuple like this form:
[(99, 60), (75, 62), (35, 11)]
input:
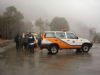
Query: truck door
[(72, 40)]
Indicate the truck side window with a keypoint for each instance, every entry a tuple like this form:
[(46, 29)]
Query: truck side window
[(50, 34), (60, 35), (71, 36)]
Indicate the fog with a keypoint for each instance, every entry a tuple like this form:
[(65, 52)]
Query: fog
[(78, 13)]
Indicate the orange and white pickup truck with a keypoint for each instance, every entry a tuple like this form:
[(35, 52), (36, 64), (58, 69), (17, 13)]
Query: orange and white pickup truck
[(57, 40)]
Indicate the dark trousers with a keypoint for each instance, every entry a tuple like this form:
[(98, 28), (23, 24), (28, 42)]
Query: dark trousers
[(31, 48), (17, 46)]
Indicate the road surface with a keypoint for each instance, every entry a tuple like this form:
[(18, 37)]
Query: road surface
[(66, 62)]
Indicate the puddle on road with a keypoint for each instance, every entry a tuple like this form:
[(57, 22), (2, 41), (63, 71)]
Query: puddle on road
[(39, 61), (42, 57)]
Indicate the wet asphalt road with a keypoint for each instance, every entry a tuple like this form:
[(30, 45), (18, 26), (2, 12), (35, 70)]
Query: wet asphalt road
[(40, 63)]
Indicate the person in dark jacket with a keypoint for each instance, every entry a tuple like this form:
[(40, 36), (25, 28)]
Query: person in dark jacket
[(39, 41), (17, 41), (31, 43), (25, 41)]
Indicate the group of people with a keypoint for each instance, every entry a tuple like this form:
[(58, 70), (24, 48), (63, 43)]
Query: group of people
[(27, 41)]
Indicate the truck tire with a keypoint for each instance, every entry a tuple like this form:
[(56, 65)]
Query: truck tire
[(53, 49), (85, 48)]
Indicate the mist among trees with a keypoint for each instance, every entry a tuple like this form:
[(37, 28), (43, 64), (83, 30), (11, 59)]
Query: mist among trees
[(59, 23), (12, 21)]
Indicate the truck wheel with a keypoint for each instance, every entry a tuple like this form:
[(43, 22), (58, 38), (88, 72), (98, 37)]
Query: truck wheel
[(85, 48), (53, 49)]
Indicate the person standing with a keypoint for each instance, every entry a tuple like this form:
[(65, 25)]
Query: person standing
[(25, 42), (40, 41), (17, 40), (31, 42)]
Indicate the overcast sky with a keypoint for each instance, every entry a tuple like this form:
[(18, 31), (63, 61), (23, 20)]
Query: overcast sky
[(85, 12)]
